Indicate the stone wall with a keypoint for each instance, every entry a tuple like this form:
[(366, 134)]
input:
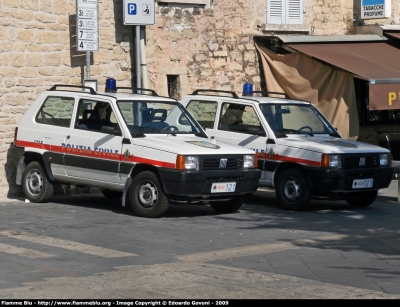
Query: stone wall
[(206, 47), (37, 50), (340, 17)]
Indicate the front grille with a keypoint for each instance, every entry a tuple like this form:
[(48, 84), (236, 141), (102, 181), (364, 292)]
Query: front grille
[(353, 160), (224, 179), (208, 163)]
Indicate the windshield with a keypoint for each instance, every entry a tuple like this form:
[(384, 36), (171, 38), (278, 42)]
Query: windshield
[(155, 117), (296, 119)]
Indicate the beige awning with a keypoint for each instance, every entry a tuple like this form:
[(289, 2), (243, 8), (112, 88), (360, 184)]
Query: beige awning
[(301, 77), (377, 62), (393, 34)]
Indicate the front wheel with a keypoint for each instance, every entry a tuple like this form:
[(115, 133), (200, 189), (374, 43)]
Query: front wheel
[(292, 190), (146, 196), (35, 184), (229, 206), (363, 201)]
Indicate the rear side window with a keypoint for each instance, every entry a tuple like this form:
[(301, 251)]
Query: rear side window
[(240, 118), (93, 115), (204, 112), (56, 111)]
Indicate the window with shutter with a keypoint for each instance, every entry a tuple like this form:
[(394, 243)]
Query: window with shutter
[(285, 12)]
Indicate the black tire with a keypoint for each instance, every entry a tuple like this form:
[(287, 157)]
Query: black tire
[(363, 201), (292, 190), (146, 196), (112, 194), (35, 183), (229, 206)]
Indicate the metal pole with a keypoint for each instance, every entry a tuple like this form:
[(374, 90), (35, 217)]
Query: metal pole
[(137, 45), (87, 64), (143, 57)]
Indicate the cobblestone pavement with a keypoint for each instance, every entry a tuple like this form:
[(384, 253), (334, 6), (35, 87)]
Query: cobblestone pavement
[(88, 247)]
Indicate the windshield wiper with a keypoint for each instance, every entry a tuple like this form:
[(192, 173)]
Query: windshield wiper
[(334, 134), (200, 134), (288, 131), (137, 135)]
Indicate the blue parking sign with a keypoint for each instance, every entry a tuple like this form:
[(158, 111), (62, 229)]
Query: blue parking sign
[(138, 12), (132, 9)]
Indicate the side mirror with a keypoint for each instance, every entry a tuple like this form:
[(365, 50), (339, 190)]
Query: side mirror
[(255, 131), (111, 130)]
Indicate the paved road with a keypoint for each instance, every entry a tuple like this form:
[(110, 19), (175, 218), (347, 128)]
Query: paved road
[(88, 247)]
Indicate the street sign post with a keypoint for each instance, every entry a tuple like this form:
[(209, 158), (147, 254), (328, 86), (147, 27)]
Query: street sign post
[(87, 25), (139, 13), (87, 29)]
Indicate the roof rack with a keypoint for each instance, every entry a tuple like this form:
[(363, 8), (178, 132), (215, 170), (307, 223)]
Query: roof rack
[(234, 95), (55, 86), (153, 92), (266, 93)]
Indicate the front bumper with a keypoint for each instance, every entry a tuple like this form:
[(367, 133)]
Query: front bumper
[(341, 180), (198, 184)]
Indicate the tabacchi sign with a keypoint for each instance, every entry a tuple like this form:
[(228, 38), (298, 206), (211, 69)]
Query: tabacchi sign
[(372, 9)]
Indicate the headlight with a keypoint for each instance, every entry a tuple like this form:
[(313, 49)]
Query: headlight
[(187, 162), (249, 161), (384, 159), (331, 161)]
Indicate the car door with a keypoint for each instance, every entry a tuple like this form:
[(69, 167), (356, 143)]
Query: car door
[(234, 123), (90, 153), (53, 122)]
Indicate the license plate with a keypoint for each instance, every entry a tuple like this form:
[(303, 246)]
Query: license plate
[(363, 183), (223, 187)]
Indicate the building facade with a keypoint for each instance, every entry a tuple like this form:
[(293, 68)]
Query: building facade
[(193, 44)]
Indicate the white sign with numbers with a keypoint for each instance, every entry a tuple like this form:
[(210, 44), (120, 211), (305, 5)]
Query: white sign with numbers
[(87, 25), (87, 13), (87, 3), (88, 46), (87, 35)]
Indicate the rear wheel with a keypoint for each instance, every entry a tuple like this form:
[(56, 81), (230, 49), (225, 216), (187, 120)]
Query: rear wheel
[(112, 194), (35, 183), (363, 201), (146, 196), (229, 206), (292, 190)]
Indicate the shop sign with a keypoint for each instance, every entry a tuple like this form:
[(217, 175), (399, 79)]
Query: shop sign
[(384, 96), (372, 9)]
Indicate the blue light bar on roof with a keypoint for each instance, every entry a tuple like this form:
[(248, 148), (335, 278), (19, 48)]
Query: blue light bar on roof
[(248, 89), (111, 85)]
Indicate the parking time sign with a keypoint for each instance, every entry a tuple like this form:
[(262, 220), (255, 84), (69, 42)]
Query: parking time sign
[(87, 25), (139, 12), (132, 9)]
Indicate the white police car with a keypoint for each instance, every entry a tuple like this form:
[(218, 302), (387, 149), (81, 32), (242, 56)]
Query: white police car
[(301, 155), (143, 146)]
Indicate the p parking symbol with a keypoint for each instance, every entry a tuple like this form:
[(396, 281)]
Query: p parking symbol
[(132, 9)]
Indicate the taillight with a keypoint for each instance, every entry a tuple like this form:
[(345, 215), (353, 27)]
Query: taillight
[(15, 134)]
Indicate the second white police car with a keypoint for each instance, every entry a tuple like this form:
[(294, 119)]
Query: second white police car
[(301, 155), (143, 148)]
